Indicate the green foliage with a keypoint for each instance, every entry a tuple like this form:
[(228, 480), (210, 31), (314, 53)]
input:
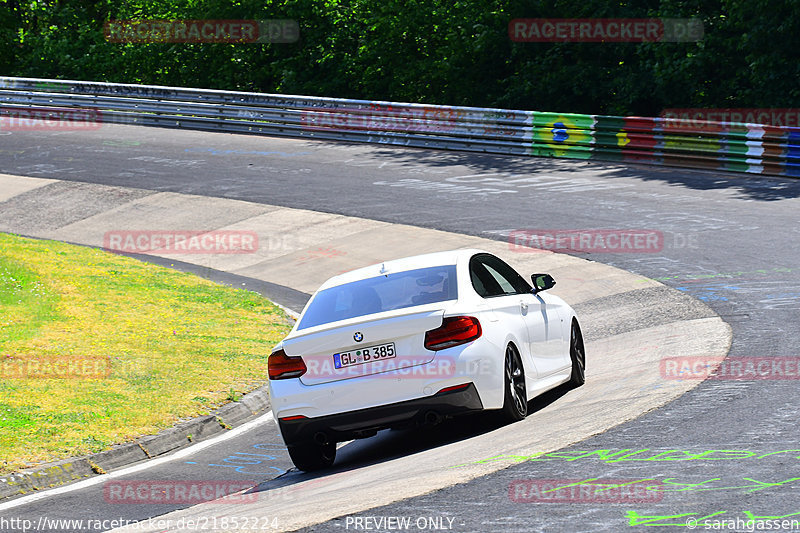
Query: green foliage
[(436, 51)]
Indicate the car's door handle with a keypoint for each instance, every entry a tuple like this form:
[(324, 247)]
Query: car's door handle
[(523, 307)]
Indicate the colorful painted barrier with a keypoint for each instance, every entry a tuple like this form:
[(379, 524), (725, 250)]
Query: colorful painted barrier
[(729, 146)]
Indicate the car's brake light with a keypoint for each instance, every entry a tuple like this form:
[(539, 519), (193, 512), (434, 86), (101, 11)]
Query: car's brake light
[(282, 366), (295, 417), (454, 388), (454, 330)]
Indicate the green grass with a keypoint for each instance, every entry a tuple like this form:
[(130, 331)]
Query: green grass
[(26, 302), (178, 345)]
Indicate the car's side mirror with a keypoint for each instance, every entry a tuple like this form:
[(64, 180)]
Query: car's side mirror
[(542, 282)]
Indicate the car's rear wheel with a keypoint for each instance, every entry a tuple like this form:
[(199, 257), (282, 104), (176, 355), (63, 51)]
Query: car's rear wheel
[(310, 456), (578, 356), (515, 403)]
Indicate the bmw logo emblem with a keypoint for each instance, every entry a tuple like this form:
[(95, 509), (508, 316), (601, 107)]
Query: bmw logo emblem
[(358, 336)]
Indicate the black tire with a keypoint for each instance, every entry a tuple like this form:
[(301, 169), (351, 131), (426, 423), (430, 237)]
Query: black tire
[(578, 356), (312, 456), (515, 403)]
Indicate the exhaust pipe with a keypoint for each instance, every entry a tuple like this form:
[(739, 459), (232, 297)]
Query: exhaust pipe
[(321, 438), (432, 418)]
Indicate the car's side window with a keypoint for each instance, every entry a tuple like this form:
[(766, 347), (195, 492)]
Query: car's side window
[(518, 282), (483, 282), (505, 285), (492, 277)]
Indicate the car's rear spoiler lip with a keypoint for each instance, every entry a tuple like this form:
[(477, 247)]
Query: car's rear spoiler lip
[(435, 307)]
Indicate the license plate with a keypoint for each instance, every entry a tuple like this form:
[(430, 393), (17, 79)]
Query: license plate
[(379, 352)]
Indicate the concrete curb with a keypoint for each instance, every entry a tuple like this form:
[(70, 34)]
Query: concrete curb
[(184, 434)]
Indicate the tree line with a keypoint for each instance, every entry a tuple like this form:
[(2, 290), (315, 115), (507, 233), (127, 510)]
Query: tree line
[(451, 52)]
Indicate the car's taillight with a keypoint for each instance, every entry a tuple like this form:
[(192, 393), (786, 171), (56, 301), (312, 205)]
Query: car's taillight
[(454, 330), (282, 366)]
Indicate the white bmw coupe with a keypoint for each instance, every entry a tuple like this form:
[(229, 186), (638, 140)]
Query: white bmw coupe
[(415, 340)]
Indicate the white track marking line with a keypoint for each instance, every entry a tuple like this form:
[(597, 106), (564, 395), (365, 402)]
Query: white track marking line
[(186, 452)]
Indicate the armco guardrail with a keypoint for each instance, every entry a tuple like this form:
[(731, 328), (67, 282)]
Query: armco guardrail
[(738, 147)]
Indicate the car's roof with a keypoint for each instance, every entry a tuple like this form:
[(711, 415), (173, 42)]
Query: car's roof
[(450, 257)]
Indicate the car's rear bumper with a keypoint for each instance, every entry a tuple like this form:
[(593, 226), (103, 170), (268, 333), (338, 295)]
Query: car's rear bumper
[(352, 424)]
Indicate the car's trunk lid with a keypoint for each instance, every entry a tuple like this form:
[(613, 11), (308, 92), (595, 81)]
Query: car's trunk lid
[(366, 345)]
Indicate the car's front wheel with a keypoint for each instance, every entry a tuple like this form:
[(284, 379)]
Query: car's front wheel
[(515, 403), (310, 456), (578, 356)]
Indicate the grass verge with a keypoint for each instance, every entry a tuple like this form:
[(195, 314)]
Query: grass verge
[(166, 346)]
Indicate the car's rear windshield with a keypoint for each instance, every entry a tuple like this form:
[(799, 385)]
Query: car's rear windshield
[(383, 293)]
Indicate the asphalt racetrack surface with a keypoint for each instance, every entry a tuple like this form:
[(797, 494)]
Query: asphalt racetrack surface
[(727, 451)]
